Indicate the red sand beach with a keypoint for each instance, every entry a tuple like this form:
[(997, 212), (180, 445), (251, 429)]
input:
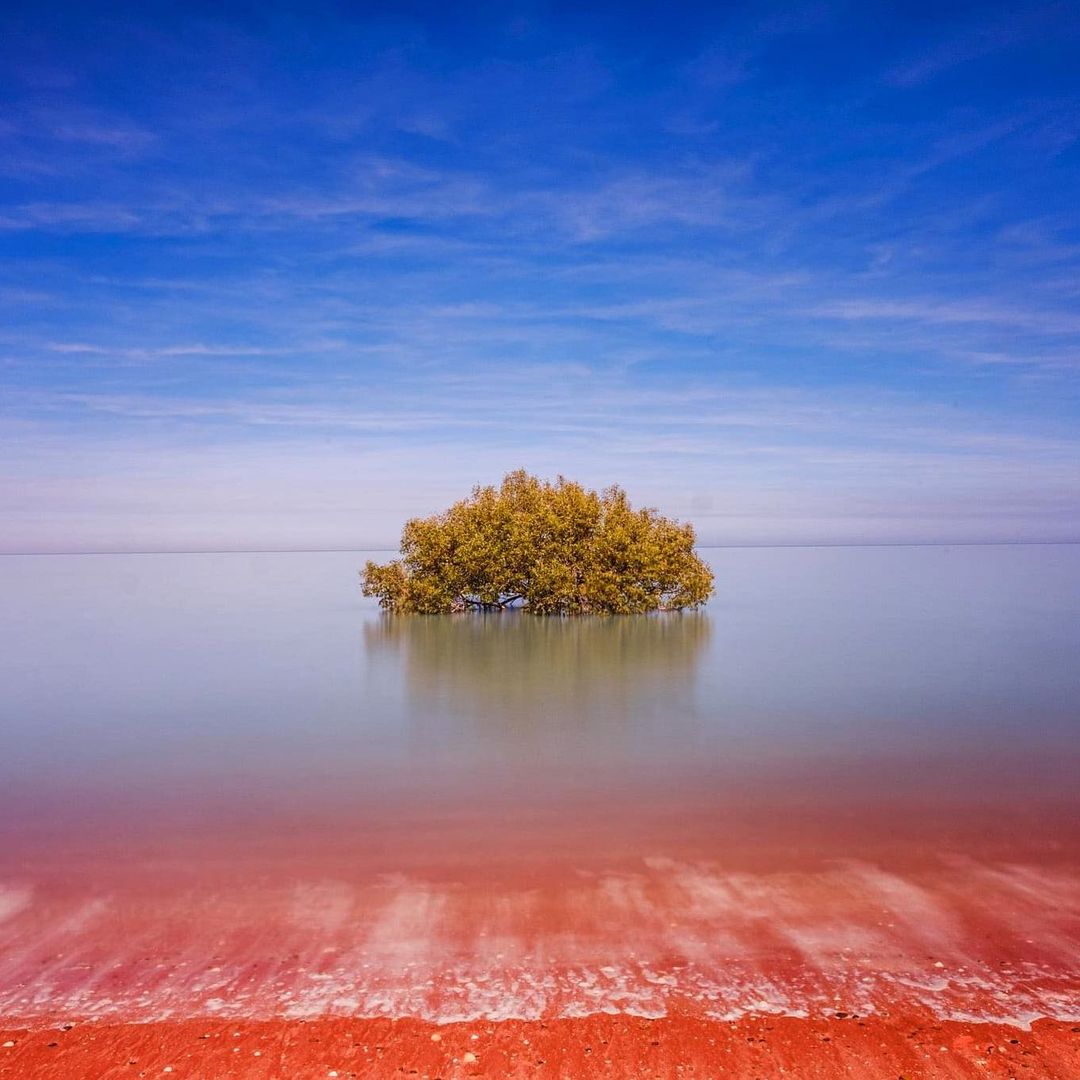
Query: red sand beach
[(815, 950)]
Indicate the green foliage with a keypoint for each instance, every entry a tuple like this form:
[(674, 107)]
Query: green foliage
[(554, 548)]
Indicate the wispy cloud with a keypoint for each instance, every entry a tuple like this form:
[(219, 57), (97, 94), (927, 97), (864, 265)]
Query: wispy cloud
[(82, 348), (964, 313), (985, 35), (75, 217)]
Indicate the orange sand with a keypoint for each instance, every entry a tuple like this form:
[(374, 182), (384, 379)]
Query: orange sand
[(907, 1046)]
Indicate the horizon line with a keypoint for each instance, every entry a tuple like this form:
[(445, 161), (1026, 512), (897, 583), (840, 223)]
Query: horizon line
[(701, 547)]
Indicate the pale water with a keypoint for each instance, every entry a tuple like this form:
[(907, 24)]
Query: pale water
[(855, 767), (150, 680)]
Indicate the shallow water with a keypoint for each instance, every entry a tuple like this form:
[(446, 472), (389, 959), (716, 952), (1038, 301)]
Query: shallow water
[(138, 683), (705, 811)]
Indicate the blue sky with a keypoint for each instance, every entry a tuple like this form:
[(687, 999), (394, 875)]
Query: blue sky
[(281, 276)]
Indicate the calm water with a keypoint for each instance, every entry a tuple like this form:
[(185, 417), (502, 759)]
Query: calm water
[(231, 786), (215, 687)]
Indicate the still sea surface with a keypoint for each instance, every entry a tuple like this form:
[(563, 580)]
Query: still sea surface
[(230, 785)]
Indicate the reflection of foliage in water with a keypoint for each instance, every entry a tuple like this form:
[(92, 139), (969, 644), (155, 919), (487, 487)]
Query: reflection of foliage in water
[(514, 673)]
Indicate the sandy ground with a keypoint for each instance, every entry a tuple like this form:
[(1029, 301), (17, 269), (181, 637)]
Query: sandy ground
[(907, 1047)]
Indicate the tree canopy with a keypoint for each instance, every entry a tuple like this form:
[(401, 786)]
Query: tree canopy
[(551, 548)]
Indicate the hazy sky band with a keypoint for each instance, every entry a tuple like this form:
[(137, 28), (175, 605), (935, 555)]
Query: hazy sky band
[(283, 278)]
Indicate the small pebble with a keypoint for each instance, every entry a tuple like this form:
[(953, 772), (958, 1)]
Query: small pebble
[(10, 1042), (468, 1057), (436, 1037)]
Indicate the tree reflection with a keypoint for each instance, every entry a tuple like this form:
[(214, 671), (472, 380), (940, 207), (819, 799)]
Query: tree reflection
[(520, 675)]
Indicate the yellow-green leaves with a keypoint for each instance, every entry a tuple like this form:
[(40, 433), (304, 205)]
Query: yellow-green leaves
[(554, 548)]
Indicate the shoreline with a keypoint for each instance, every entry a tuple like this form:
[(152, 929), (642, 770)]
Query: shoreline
[(274, 940)]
